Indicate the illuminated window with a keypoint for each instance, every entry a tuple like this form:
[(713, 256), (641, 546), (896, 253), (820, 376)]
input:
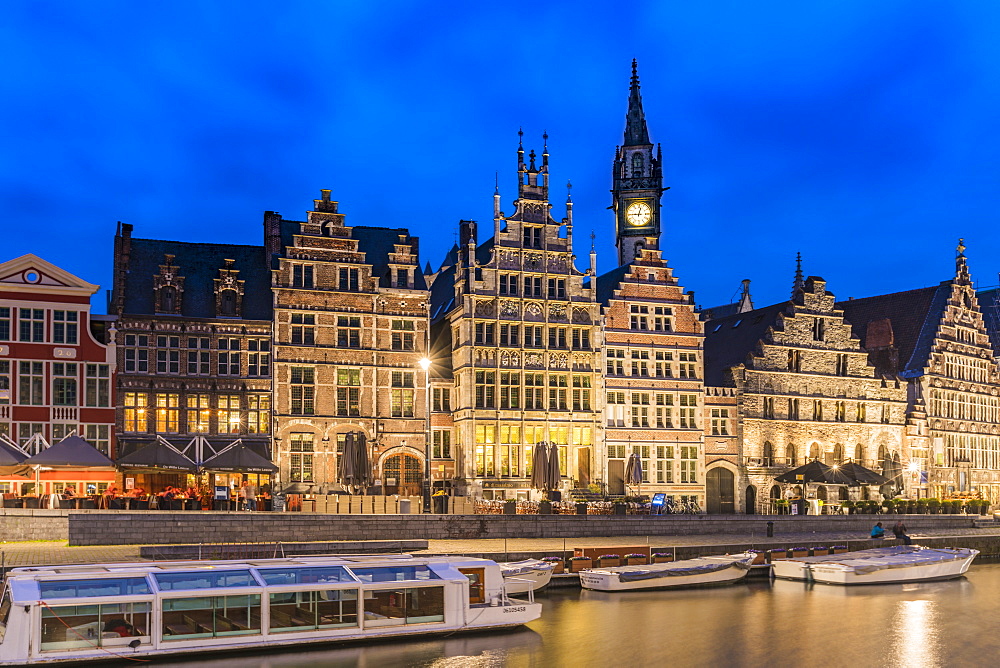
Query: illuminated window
[(167, 413), (229, 413)]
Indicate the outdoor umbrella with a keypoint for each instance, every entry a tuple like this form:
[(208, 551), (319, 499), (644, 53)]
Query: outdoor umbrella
[(345, 464), (11, 458), (861, 475), (354, 468), (814, 471), (539, 466), (71, 453), (362, 461), (633, 470), (237, 458), (892, 471), (155, 457), (553, 476), (296, 488)]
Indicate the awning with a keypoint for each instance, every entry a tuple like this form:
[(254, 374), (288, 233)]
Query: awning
[(238, 458), (155, 457), (11, 458), (70, 453)]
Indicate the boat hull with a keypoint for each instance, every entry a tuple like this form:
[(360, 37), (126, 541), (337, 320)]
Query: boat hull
[(530, 581), (607, 580), (845, 572)]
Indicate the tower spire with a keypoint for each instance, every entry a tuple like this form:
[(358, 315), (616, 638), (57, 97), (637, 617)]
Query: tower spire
[(961, 266), (636, 133), (799, 281)]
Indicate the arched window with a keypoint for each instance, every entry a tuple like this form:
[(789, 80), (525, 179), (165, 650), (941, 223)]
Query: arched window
[(768, 453), (168, 299), (814, 451), (637, 164), (882, 452), (838, 454), (790, 454), (859, 453), (227, 302)]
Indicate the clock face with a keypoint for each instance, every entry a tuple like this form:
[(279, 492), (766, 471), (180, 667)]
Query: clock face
[(638, 214)]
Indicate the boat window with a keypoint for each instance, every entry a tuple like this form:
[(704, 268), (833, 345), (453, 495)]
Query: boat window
[(307, 610), (281, 576), (89, 626), (392, 607), (204, 580), (4, 612), (211, 616), (96, 587), (395, 573)]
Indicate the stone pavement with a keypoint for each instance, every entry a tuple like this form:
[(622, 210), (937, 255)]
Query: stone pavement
[(47, 553)]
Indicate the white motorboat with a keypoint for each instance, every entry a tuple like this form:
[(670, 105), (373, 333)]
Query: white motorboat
[(139, 611), (720, 569), (881, 565), (523, 576)]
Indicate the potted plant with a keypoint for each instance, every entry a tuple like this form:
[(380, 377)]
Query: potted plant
[(800, 552), (558, 565), (759, 557), (782, 506), (819, 551), (934, 505), (577, 564), (848, 507), (921, 506), (838, 549), (778, 553), (889, 505), (635, 559), (609, 560), (662, 557)]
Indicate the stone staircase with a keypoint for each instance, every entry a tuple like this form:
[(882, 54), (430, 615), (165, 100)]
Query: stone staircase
[(580, 494), (989, 523)]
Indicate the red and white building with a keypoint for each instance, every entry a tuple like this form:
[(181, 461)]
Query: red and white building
[(56, 371)]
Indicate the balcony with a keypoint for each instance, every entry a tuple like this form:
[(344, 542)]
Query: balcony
[(64, 413)]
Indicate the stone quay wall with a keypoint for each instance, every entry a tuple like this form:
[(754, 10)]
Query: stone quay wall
[(123, 528), (18, 524)]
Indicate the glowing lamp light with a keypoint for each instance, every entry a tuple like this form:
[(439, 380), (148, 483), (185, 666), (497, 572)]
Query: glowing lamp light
[(425, 363), (914, 467)]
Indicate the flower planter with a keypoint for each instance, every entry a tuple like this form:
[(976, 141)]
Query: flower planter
[(609, 562), (577, 564), (820, 551), (663, 559), (636, 561), (799, 553), (778, 554), (838, 549), (759, 558), (558, 565)]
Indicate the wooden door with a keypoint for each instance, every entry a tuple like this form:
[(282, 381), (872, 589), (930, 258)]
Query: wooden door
[(616, 476), (477, 584)]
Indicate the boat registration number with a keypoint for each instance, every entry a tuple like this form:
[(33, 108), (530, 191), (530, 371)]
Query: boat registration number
[(519, 608)]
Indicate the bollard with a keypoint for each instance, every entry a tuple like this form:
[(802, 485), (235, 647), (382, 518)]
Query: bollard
[(770, 529)]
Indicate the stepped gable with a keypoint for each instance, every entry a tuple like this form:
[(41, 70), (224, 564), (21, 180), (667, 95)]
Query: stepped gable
[(728, 340), (989, 304), (913, 318), (199, 264)]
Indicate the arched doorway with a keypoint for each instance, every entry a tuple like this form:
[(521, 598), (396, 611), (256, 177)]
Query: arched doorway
[(751, 500), (720, 491), (402, 474)]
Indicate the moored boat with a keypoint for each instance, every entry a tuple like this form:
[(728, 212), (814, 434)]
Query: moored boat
[(881, 565), (523, 576), (68, 614), (721, 569)]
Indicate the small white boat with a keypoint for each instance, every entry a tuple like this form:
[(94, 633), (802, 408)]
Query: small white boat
[(881, 565), (520, 577), (145, 610), (721, 569)]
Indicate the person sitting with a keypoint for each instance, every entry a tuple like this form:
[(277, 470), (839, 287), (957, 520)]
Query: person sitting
[(68, 493), (119, 626), (899, 531), (877, 531)]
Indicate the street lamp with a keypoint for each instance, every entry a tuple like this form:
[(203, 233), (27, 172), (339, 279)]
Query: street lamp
[(425, 364)]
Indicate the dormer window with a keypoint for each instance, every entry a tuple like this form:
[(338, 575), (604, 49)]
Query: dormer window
[(168, 299), (402, 278), (227, 303)]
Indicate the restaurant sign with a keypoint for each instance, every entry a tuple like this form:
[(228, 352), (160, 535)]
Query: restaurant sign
[(506, 484)]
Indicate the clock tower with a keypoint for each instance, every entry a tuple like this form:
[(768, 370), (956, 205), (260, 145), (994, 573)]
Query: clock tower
[(638, 183)]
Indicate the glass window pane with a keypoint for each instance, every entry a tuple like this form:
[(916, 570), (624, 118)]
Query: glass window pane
[(204, 580), (424, 605), (292, 611), (394, 573), (337, 608), (97, 587), (280, 576), (385, 608), (70, 627), (188, 618)]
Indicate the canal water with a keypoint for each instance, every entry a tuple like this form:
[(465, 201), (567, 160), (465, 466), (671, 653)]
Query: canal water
[(759, 623)]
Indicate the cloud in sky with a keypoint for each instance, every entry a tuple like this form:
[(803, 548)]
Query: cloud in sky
[(861, 134)]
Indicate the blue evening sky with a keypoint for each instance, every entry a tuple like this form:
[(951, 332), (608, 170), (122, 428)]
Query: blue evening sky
[(863, 134)]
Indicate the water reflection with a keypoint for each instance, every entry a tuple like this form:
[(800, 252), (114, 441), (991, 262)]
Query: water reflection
[(753, 624)]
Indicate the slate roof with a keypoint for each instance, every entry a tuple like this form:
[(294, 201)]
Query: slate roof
[(377, 243), (989, 304), (915, 316), (199, 264), (728, 340), (720, 311), (608, 282)]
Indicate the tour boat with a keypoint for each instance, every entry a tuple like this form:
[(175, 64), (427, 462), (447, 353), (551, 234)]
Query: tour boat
[(523, 576), (721, 569), (881, 565), (102, 612)]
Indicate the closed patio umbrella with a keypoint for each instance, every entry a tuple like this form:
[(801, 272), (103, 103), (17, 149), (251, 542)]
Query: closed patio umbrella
[(633, 470), (345, 464), (554, 476), (354, 469), (539, 466)]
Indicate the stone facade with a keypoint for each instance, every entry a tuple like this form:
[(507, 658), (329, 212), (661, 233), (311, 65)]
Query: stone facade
[(805, 390), (350, 325)]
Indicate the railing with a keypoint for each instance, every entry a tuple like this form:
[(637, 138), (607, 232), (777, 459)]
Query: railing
[(64, 413), (505, 598), (4, 412)]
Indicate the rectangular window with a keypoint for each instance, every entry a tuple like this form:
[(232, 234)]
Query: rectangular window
[(210, 616), (229, 413), (348, 279), (557, 337), (793, 409), (198, 357), (442, 400), (31, 322), (302, 276), (303, 329), (640, 364), (509, 335), (64, 327), (819, 328), (485, 389), (258, 413), (136, 412), (510, 390), (485, 332), (616, 361), (687, 411), (581, 338), (817, 410), (301, 459), (402, 278), (5, 397), (557, 288), (167, 413), (442, 444), (663, 319), (64, 383), (303, 392), (841, 364), (402, 335), (98, 386), (557, 392), (508, 284), (664, 368), (689, 463), (720, 422), (534, 391), (686, 367), (25, 431), (664, 411), (533, 336), (400, 396), (308, 610), (638, 319), (136, 353), (168, 354), (531, 236), (768, 408), (348, 331), (4, 323), (396, 607), (99, 436), (76, 627), (665, 463), (581, 393), (259, 357), (349, 392), (198, 414), (862, 412), (30, 383)]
